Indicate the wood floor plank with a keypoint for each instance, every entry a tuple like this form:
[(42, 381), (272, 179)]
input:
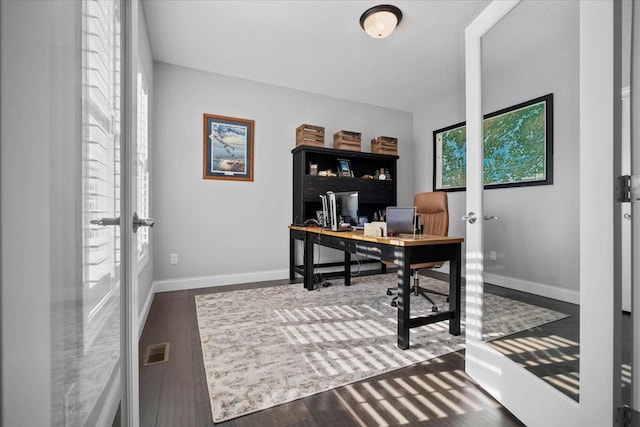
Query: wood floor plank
[(151, 377), (326, 410), (176, 404), (287, 414)]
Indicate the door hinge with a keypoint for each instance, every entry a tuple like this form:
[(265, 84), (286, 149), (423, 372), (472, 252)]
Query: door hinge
[(628, 188), (627, 417)]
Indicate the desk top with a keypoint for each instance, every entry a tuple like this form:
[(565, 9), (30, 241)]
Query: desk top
[(420, 239)]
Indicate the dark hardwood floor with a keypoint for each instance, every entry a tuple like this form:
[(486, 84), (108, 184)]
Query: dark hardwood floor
[(434, 393), (550, 351)]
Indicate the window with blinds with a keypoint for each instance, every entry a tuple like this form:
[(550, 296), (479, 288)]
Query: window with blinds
[(101, 80), (142, 165)]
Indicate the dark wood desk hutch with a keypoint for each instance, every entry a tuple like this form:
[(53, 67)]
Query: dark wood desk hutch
[(373, 195)]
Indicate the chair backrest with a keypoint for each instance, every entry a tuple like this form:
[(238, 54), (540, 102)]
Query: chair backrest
[(433, 211)]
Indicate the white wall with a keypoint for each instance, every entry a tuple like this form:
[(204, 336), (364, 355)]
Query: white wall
[(229, 231), (536, 239)]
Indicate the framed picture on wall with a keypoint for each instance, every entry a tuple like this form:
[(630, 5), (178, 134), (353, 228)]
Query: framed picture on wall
[(518, 148), (227, 148)]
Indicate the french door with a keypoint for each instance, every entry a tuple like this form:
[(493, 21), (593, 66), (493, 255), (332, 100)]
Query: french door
[(98, 358), (532, 400), (112, 95), (69, 258)]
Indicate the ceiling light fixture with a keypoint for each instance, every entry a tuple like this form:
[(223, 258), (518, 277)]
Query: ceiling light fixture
[(380, 21)]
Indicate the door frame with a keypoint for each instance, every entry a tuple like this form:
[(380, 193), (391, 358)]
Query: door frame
[(130, 411), (635, 207), (526, 396)]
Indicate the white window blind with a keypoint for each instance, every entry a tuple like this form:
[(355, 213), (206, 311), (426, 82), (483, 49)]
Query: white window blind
[(143, 165), (100, 158)]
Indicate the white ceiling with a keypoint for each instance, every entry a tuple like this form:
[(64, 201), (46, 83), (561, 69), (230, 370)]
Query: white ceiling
[(319, 47)]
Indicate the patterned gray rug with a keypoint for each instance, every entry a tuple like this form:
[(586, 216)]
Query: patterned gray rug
[(264, 347)]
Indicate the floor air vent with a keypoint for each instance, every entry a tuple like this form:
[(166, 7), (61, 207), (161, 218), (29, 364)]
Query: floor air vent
[(157, 353)]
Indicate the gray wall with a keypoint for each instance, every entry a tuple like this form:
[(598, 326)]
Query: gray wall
[(536, 238), (438, 111), (229, 227)]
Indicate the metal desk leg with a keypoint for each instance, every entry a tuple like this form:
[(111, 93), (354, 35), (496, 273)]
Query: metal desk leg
[(454, 291), (404, 301), (308, 263), (347, 268), (292, 257)]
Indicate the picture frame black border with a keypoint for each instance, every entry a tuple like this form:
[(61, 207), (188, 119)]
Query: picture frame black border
[(548, 99)]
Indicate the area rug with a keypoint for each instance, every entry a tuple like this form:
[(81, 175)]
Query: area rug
[(263, 347)]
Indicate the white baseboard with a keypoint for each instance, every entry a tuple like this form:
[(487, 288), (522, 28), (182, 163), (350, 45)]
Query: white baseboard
[(549, 291), (142, 318), (217, 280)]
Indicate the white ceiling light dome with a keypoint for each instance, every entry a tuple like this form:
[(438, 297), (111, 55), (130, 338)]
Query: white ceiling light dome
[(380, 21)]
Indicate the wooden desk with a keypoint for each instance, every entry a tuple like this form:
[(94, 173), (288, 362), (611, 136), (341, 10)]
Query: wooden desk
[(401, 251)]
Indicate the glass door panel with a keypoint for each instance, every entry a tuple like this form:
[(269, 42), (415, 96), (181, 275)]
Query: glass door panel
[(94, 351), (553, 248), (530, 101)]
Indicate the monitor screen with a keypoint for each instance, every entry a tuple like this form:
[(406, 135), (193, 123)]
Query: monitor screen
[(401, 220), (347, 208)]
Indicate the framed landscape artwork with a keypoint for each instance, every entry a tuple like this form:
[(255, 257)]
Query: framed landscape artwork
[(228, 148), (518, 148)]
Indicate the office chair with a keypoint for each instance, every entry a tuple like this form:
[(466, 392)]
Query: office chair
[(432, 209)]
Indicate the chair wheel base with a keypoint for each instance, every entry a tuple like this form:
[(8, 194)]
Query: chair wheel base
[(394, 304), (389, 293), (434, 309)]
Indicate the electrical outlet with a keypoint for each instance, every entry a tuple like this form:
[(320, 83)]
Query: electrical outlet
[(492, 255), (69, 406), (174, 258)]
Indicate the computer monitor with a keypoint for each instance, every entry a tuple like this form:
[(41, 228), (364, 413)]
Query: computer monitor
[(341, 208), (401, 220), (348, 206)]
